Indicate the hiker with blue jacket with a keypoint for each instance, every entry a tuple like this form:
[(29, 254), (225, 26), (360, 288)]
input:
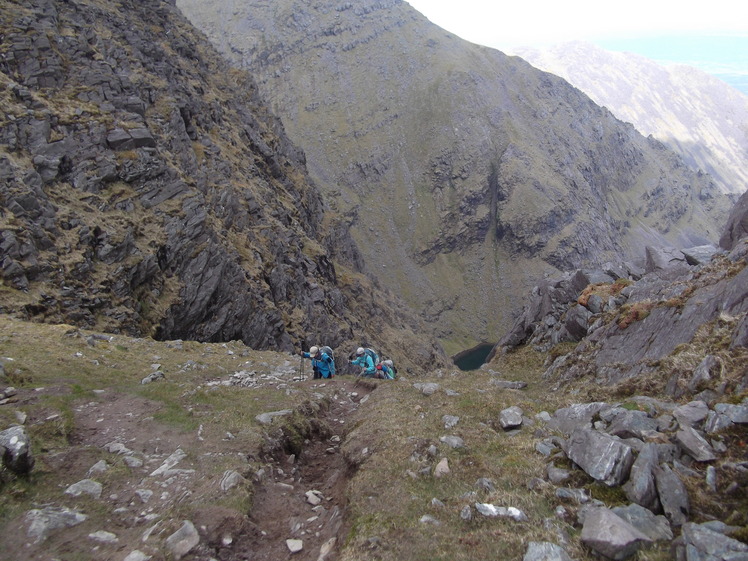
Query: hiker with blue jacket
[(322, 363), (366, 362)]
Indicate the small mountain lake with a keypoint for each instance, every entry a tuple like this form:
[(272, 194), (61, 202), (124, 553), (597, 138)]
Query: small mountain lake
[(472, 359)]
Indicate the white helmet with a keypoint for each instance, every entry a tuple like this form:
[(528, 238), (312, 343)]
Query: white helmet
[(360, 351), (313, 351), (389, 362)]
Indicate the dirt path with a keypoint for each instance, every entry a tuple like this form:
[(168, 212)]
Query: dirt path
[(303, 498), (151, 476)]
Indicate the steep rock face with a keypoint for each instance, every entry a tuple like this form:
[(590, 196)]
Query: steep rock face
[(737, 224), (146, 189), (678, 327), (467, 173), (697, 115)]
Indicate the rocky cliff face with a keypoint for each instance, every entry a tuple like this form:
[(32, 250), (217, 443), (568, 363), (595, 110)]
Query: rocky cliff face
[(146, 189), (700, 117), (677, 327), (467, 173)]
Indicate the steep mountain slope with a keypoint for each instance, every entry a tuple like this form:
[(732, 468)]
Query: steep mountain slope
[(147, 190), (700, 117), (466, 173)]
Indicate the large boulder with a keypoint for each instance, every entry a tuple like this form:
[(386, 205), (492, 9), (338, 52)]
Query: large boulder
[(603, 457), (673, 495), (641, 488)]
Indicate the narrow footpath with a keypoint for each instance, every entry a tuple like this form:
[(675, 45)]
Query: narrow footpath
[(299, 506)]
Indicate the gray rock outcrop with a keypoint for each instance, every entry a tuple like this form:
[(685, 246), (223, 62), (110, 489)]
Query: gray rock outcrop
[(176, 241), (699, 539), (737, 224)]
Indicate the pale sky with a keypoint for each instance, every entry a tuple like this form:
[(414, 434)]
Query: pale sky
[(540, 23)]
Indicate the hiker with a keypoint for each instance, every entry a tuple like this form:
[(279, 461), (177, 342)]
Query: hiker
[(388, 370), (323, 365), (367, 359), (391, 367)]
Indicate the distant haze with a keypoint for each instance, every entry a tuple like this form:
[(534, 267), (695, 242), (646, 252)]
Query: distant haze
[(725, 57), (666, 31)]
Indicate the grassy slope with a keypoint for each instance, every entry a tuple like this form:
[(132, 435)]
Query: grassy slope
[(388, 440)]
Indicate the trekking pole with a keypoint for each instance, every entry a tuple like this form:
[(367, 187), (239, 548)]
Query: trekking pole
[(301, 368)]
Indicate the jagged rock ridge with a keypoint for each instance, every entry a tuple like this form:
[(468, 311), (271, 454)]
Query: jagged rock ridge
[(147, 190), (467, 173), (694, 113), (679, 326)]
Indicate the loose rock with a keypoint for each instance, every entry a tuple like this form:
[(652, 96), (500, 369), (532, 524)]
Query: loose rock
[(510, 418), (610, 535), (181, 542), (44, 521), (294, 546), (545, 551), (603, 457), (17, 456)]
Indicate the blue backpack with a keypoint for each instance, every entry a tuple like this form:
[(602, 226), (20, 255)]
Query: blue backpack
[(374, 356), (328, 352)]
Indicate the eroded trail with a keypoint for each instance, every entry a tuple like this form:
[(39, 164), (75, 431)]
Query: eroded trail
[(299, 506)]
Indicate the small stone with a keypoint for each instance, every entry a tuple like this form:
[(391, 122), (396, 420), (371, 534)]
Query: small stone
[(103, 537), (181, 542), (485, 484), (230, 479), (133, 462), (545, 551), (87, 486), (428, 519), (136, 555), (326, 549), (16, 447), (510, 418), (267, 418), (579, 496), (313, 497), (453, 441), (99, 467), (491, 511), (557, 475), (442, 468), (711, 478), (429, 388), (294, 546)]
